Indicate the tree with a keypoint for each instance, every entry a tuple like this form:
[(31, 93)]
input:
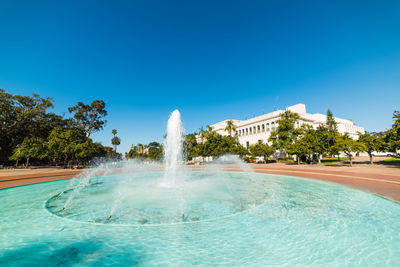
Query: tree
[(208, 132), (87, 150), (24, 116), (349, 146), (286, 133), (90, 117), (111, 154), (201, 133), (190, 146), (131, 154), (331, 123), (371, 143), (321, 140), (216, 145), (213, 144), (155, 151), (300, 148), (392, 138), (304, 144), (32, 147), (115, 141), (18, 154), (261, 150), (64, 143), (26, 126), (239, 150), (230, 127), (332, 134), (136, 152)]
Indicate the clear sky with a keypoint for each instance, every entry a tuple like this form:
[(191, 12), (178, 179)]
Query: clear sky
[(212, 60)]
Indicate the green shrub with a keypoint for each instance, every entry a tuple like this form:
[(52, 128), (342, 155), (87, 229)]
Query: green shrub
[(332, 160), (392, 160)]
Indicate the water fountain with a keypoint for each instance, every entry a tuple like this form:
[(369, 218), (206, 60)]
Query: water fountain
[(140, 194), (135, 213), (173, 155)]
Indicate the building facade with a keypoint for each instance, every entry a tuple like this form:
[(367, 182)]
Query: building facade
[(259, 128)]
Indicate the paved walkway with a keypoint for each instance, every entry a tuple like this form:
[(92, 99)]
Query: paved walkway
[(17, 177), (378, 179)]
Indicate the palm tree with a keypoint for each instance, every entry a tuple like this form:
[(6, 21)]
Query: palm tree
[(230, 127), (209, 131), (201, 133), (116, 141)]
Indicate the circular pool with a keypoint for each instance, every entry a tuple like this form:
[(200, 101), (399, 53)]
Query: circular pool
[(144, 198), (209, 218)]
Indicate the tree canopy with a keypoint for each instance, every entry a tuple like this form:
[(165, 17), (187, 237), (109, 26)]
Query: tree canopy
[(115, 141), (349, 146), (90, 117), (371, 143), (31, 147), (286, 133), (152, 151), (29, 131), (261, 150), (25, 116), (230, 127), (212, 144), (304, 144), (331, 123), (392, 137)]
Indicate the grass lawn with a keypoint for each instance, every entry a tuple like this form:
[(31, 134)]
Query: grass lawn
[(332, 160), (392, 160)]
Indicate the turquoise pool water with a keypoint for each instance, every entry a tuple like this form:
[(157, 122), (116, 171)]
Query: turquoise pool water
[(272, 220)]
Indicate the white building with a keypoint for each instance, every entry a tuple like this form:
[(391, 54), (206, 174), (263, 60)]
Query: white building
[(259, 128)]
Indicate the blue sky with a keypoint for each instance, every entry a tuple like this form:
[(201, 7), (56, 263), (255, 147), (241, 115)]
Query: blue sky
[(212, 60)]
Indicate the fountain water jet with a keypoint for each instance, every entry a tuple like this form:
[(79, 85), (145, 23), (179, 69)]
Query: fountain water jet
[(140, 194), (173, 144)]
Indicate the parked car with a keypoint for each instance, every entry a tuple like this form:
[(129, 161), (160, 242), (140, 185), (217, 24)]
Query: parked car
[(384, 154)]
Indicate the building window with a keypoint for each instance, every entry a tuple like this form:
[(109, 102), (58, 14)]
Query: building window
[(251, 130), (247, 144), (267, 126), (247, 130), (258, 128), (263, 127), (236, 132), (255, 129)]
